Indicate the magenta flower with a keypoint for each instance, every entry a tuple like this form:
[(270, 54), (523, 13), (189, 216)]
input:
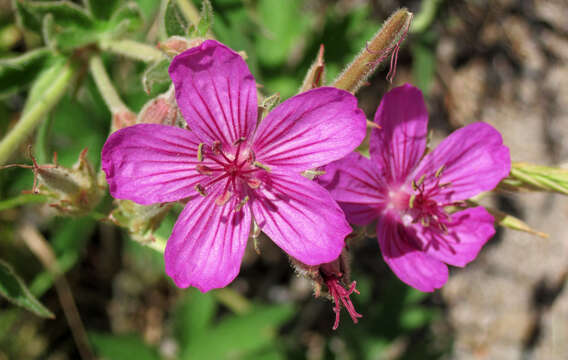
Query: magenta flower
[(409, 192), (233, 171)]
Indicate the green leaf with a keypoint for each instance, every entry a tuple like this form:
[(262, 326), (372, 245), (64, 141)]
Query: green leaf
[(194, 315), (205, 21), (236, 337), (280, 36), (126, 18), (21, 200), (64, 14), (174, 21), (119, 347), (424, 61), (102, 9), (416, 317), (14, 289), (17, 73), (155, 74)]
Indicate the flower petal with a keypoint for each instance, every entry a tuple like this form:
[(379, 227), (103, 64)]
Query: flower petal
[(474, 159), (411, 265), (301, 218), (207, 243), (354, 179), (216, 92), (469, 231), (151, 163), (310, 130), (400, 142)]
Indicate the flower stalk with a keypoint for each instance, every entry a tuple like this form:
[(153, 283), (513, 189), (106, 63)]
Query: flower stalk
[(35, 111), (132, 49)]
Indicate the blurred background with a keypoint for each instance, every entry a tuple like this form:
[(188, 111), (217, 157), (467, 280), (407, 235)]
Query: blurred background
[(501, 61)]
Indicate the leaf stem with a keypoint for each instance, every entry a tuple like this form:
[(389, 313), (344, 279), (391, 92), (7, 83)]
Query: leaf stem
[(32, 116), (105, 86), (132, 49)]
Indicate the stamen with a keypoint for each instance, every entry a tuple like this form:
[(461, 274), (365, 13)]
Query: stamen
[(242, 203), (200, 152), (216, 148), (262, 166), (201, 190), (203, 169), (439, 171), (425, 221), (239, 140), (253, 183), (222, 200), (411, 201), (444, 185), (421, 180)]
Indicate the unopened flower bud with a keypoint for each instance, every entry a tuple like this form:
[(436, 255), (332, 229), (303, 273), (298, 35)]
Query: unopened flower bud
[(176, 45), (72, 191), (160, 110), (122, 118)]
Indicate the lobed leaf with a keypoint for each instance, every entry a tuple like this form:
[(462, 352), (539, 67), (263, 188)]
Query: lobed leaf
[(155, 74)]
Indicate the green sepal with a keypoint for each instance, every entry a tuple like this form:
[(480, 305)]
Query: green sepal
[(12, 288), (205, 21), (174, 21), (156, 73)]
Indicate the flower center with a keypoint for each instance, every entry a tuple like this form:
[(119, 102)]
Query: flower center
[(421, 203), (233, 167)]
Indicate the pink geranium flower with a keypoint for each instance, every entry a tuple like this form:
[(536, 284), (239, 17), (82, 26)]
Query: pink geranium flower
[(233, 171), (409, 192)]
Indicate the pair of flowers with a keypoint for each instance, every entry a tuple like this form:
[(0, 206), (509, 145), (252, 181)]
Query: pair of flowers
[(234, 170)]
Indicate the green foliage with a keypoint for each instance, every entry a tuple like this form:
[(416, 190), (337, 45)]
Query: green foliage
[(102, 9), (236, 336), (156, 73), (19, 72), (119, 347), (69, 238), (424, 60), (13, 288), (205, 21), (279, 36), (174, 21)]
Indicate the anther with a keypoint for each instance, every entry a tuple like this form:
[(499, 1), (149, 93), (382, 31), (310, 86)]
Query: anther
[(216, 148), (425, 222), (239, 140), (253, 183), (421, 180), (203, 170), (411, 201), (222, 200), (200, 189), (439, 171), (242, 203), (444, 185), (200, 152), (262, 166)]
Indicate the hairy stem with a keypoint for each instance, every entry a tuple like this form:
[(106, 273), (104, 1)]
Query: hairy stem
[(35, 113), (105, 86), (132, 49)]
